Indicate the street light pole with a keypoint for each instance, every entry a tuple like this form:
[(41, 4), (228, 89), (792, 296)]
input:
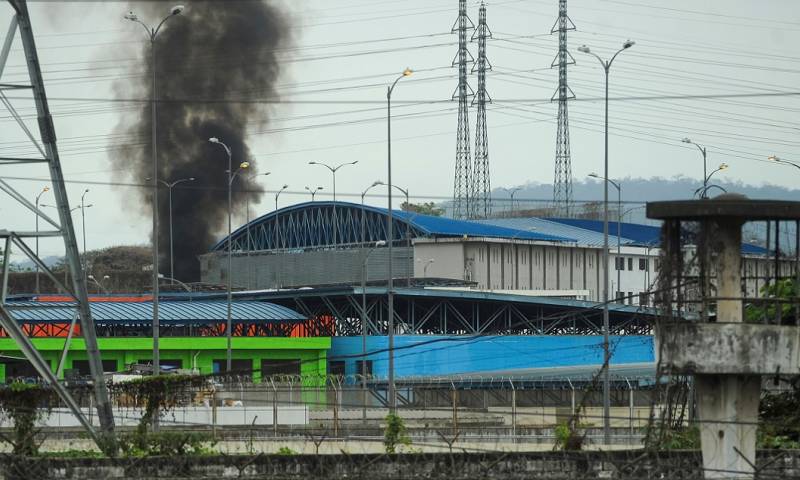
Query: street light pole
[(511, 192), (231, 177), (606, 353), (44, 190), (83, 226), (705, 164), (408, 238), (363, 211), (169, 186), (313, 191), (364, 322), (333, 172), (390, 240), (152, 33), (619, 265)]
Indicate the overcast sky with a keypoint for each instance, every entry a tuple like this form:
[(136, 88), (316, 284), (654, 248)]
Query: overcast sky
[(349, 50)]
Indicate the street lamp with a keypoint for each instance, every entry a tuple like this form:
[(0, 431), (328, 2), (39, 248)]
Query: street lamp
[(425, 267), (364, 322), (606, 354), (313, 191), (83, 208), (66, 270), (390, 237), (619, 264), (363, 212), (44, 190), (333, 172), (169, 186), (778, 159), (231, 178), (511, 191), (278, 194), (152, 33), (706, 187), (408, 238), (102, 288), (705, 165)]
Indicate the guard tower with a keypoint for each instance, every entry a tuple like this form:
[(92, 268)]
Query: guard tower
[(730, 342)]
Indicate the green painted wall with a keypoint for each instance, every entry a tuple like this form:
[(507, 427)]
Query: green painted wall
[(199, 352)]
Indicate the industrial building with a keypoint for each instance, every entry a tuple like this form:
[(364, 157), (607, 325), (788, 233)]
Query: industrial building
[(267, 338), (333, 243)]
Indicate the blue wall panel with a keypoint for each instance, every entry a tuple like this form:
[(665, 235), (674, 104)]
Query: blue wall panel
[(417, 355)]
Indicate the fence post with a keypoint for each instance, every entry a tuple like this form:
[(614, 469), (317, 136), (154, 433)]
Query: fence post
[(455, 409), (274, 408), (335, 408), (513, 411), (572, 396), (214, 413), (630, 409)]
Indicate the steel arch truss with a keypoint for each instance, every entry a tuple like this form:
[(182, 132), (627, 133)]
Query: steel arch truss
[(440, 315), (311, 225)]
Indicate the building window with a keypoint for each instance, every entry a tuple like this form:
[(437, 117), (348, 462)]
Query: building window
[(336, 368), (656, 263), (643, 264), (621, 297), (619, 263), (630, 298), (359, 367), (643, 299), (280, 367), (630, 263), (238, 366)]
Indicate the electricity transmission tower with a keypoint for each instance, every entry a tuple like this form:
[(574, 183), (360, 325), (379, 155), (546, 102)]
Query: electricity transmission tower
[(61, 227), (562, 181), (462, 181), (481, 184)]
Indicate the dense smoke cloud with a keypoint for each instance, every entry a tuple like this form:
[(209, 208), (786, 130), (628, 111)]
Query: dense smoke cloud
[(213, 50)]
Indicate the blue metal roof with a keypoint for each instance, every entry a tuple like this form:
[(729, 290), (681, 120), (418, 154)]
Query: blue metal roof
[(638, 234), (311, 224), (582, 236), (169, 312), (443, 226)]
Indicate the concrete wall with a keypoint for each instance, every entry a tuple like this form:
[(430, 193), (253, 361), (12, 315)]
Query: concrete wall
[(478, 461), (261, 270)]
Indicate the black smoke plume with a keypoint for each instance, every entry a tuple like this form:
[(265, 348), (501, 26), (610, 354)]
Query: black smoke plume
[(212, 52)]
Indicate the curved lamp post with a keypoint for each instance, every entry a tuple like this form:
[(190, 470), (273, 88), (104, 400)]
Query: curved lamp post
[(390, 238), (44, 190), (333, 172), (703, 191), (231, 178), (619, 223), (169, 186), (606, 353), (705, 164), (152, 34), (313, 191), (511, 192), (363, 212)]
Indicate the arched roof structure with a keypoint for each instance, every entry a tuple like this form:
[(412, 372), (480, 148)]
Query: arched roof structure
[(312, 225)]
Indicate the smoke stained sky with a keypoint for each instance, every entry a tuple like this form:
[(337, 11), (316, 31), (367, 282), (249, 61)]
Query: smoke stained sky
[(212, 50)]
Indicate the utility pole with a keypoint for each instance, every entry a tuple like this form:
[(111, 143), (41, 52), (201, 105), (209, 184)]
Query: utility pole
[(481, 184), (62, 227), (562, 181), (462, 180)]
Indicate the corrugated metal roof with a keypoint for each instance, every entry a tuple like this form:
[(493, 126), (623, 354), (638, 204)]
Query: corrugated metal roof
[(637, 233), (444, 226), (204, 311), (582, 236)]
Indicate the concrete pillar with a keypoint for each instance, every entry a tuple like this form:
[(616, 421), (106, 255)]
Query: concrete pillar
[(727, 405)]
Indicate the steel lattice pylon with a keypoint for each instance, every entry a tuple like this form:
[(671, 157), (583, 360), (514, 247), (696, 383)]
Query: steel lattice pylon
[(462, 181), (47, 150), (481, 183), (562, 181)]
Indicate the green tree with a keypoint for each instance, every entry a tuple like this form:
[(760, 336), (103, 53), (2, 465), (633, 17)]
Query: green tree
[(424, 208)]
